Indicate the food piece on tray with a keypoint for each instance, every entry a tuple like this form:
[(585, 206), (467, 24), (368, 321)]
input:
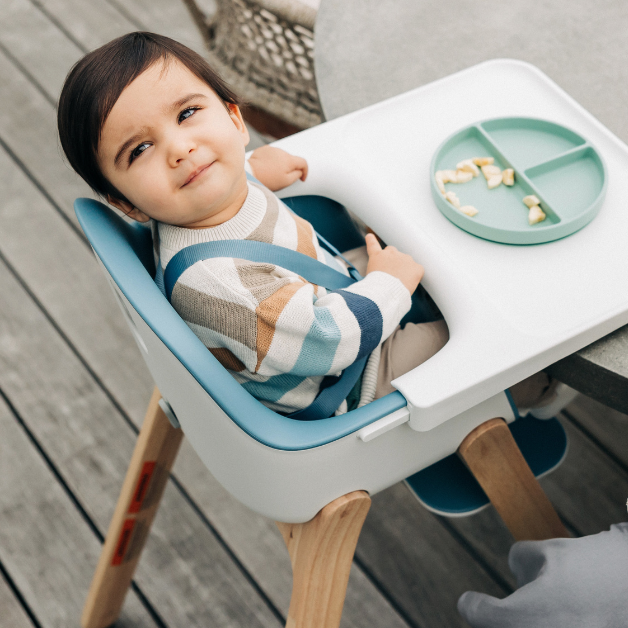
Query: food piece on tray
[(463, 176), (469, 210), (467, 165), (494, 181), (490, 171), (452, 176), (483, 161), (453, 199), (508, 177), (531, 200), (535, 215)]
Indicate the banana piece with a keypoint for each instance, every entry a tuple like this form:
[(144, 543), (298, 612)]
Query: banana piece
[(494, 181), (535, 215), (490, 171), (453, 199), (531, 200), (469, 210), (468, 166), (463, 176), (483, 161), (508, 177)]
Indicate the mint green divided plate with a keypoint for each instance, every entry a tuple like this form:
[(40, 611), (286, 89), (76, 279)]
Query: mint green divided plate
[(554, 163)]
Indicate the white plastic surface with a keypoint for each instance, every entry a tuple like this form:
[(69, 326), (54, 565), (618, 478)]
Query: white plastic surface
[(511, 310)]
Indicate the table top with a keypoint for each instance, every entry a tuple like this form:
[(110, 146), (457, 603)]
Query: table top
[(571, 44)]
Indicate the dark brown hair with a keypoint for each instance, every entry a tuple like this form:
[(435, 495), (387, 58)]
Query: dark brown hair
[(94, 85)]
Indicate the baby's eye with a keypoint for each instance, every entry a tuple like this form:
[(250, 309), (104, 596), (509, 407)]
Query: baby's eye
[(187, 113), (138, 150)]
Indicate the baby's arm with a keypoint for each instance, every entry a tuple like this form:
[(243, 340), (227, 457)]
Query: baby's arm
[(276, 168), (321, 336), (326, 334)]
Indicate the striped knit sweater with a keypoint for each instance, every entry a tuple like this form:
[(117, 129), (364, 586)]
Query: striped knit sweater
[(277, 334)]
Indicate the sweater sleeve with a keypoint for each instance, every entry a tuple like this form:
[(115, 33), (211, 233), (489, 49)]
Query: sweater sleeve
[(322, 336)]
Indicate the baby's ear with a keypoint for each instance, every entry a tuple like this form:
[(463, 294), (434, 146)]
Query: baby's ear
[(236, 116), (127, 209)]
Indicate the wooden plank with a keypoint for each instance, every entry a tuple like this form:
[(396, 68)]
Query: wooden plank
[(91, 446), (166, 17), (422, 568), (92, 24), (28, 128), (61, 270), (46, 545), (89, 24), (607, 426), (12, 612), (488, 539), (65, 27), (19, 21), (589, 488)]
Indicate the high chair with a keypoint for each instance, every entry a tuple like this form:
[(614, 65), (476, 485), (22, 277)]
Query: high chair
[(314, 478)]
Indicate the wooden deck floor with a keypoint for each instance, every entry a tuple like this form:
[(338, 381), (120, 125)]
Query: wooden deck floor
[(73, 389)]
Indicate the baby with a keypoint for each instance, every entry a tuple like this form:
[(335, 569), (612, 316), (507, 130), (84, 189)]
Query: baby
[(150, 127)]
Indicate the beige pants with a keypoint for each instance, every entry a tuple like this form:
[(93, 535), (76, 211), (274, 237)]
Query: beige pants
[(409, 347)]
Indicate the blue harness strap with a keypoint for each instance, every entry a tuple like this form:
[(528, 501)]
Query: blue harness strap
[(314, 271), (254, 251)]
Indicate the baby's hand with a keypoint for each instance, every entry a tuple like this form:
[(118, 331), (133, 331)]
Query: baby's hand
[(391, 261), (276, 168)]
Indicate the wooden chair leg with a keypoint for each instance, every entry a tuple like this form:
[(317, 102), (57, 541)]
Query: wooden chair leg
[(321, 552), (491, 454), (155, 452)]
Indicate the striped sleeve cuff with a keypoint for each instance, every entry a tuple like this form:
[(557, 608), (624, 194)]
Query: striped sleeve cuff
[(388, 295)]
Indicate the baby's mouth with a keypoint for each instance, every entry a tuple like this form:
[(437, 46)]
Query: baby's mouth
[(198, 172)]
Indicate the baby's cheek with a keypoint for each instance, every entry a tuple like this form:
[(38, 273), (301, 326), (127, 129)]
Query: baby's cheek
[(155, 187)]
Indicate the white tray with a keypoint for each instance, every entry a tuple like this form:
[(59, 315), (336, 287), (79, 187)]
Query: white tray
[(511, 310)]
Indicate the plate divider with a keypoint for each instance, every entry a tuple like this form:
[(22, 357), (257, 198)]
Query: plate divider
[(572, 151), (519, 172)]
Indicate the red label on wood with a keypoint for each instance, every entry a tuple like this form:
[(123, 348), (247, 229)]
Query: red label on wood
[(142, 487), (123, 541)]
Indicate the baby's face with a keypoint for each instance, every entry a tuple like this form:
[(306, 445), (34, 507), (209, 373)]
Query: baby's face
[(174, 150)]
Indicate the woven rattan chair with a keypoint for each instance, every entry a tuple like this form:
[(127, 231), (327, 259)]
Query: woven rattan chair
[(264, 49)]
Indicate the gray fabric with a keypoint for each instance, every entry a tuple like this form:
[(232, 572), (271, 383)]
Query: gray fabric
[(563, 583)]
